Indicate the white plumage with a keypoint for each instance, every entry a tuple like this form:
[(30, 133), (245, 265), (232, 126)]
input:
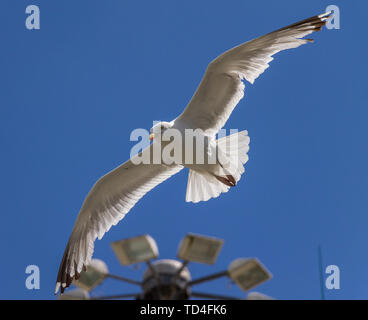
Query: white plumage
[(219, 92)]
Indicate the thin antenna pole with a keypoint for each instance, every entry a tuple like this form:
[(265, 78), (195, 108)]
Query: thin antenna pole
[(322, 286)]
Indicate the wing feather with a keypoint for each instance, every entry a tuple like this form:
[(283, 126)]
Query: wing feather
[(107, 203), (222, 88)]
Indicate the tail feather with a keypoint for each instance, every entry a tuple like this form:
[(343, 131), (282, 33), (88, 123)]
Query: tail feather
[(234, 149), (204, 186)]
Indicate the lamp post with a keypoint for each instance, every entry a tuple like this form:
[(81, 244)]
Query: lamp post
[(170, 279)]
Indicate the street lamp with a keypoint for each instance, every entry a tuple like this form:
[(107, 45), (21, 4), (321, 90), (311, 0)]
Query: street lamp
[(248, 273), (76, 294), (135, 250), (257, 296), (96, 272), (198, 248), (166, 280), (169, 279)]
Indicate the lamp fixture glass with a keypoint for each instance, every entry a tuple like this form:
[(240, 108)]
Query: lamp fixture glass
[(258, 296), (248, 273), (135, 250), (76, 294), (96, 272), (199, 248)]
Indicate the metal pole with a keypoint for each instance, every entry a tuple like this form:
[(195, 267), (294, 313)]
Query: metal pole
[(175, 277), (157, 276), (322, 287)]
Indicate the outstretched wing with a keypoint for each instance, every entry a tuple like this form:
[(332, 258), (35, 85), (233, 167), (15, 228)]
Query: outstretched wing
[(222, 88), (107, 203)]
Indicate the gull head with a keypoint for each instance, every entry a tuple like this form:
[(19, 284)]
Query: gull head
[(159, 128)]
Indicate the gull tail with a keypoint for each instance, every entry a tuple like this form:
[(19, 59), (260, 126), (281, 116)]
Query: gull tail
[(232, 155)]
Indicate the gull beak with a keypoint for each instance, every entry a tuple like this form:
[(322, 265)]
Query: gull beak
[(151, 136)]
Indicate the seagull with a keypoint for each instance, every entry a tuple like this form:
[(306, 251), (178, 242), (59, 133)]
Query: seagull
[(220, 90)]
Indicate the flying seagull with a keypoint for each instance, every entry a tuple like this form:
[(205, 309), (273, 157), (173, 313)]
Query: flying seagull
[(219, 92)]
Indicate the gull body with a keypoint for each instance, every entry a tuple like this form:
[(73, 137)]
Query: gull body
[(198, 151)]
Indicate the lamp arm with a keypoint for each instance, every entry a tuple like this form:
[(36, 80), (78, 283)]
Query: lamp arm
[(112, 276), (212, 296), (118, 296), (209, 278)]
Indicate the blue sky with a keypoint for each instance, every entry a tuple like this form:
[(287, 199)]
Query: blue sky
[(72, 92)]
